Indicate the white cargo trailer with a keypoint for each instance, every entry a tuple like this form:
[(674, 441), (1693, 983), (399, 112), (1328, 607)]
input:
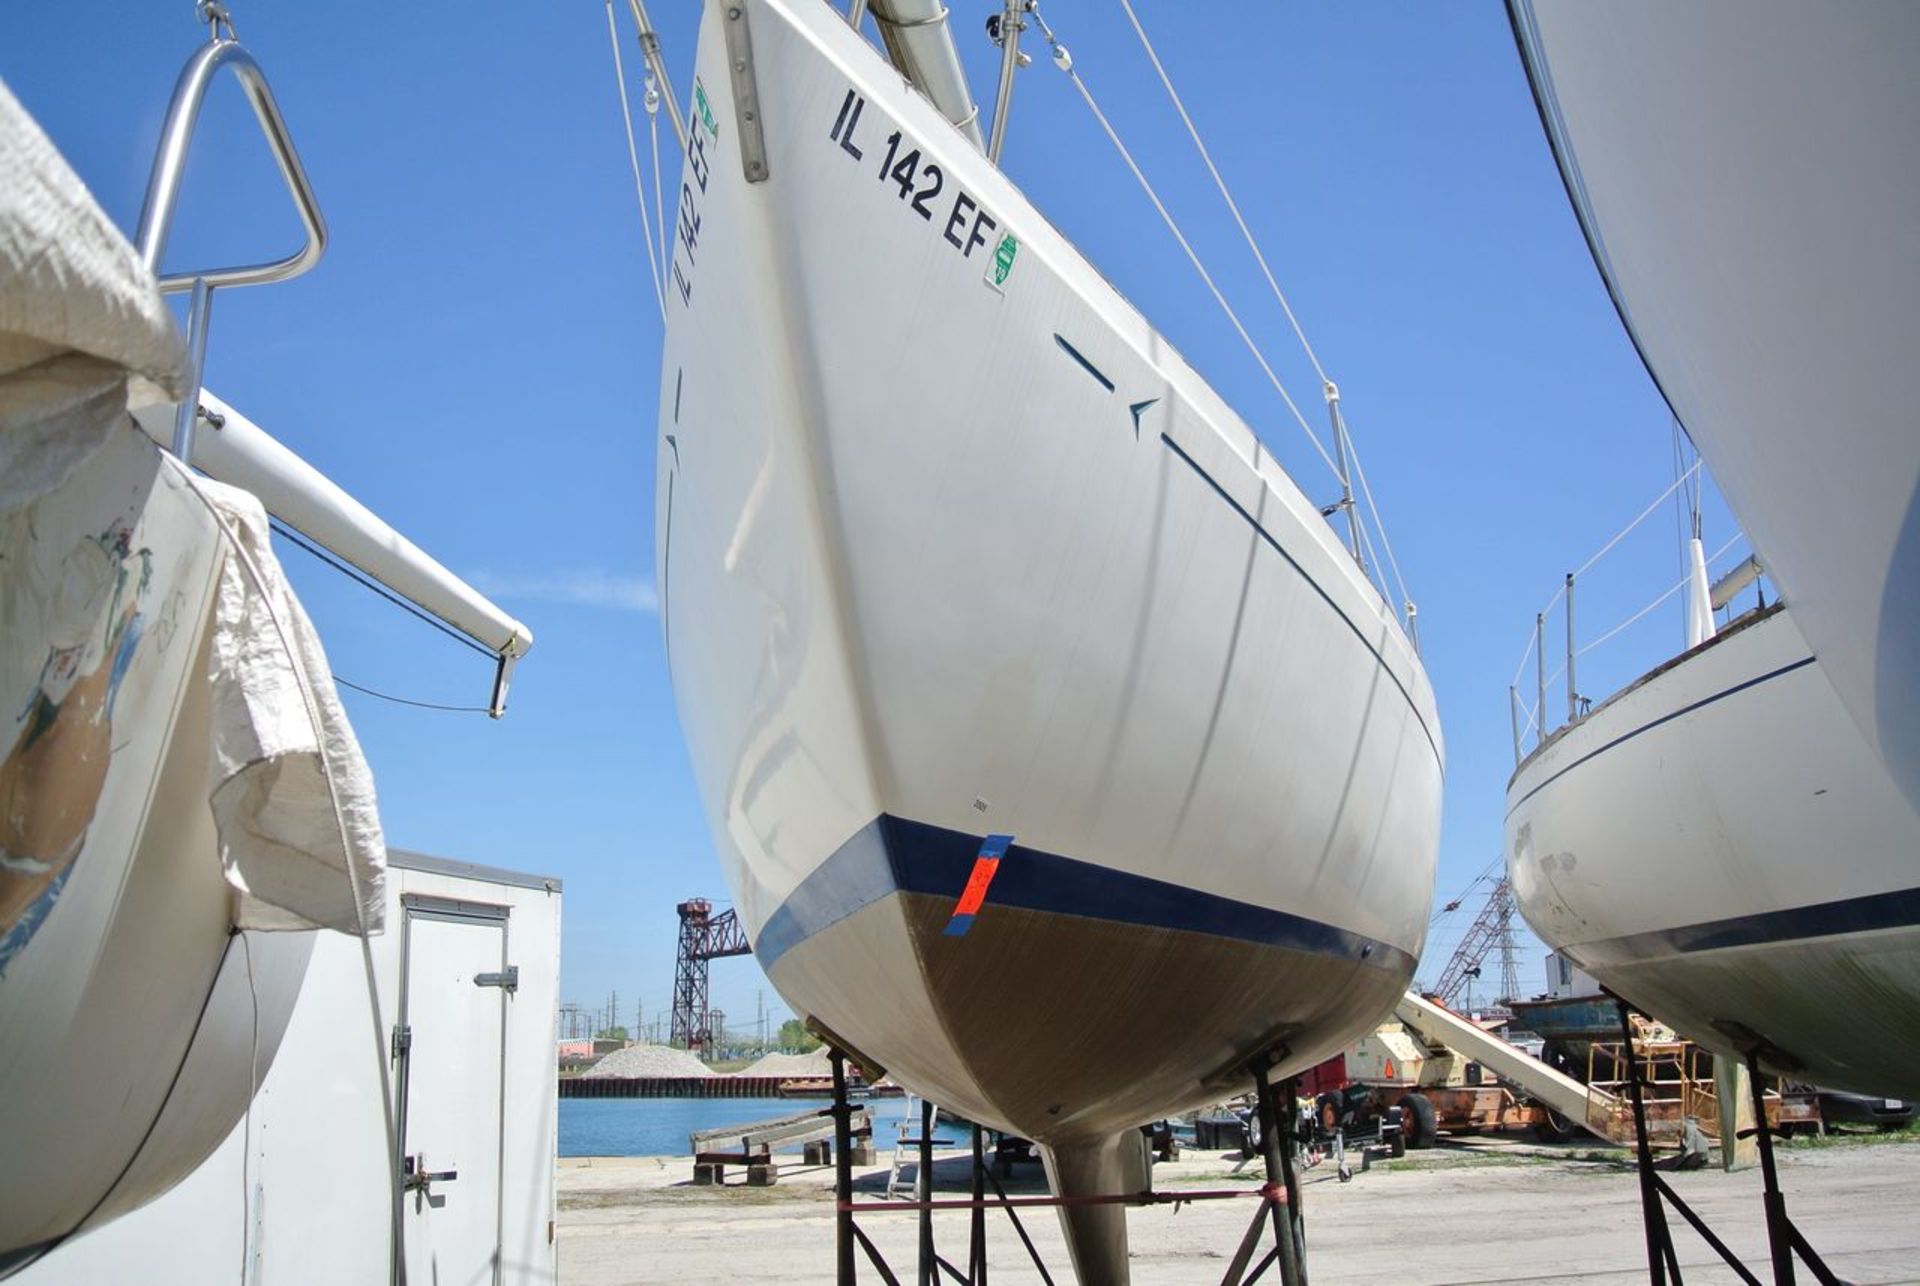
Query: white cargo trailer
[(302, 1191)]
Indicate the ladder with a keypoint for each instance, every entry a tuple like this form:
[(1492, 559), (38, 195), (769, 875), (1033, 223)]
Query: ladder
[(906, 1147)]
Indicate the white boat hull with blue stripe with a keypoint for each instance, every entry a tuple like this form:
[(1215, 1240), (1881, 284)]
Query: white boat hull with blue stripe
[(1059, 756), (1720, 846)]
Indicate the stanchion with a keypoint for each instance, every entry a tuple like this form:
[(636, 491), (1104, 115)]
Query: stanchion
[(843, 1230), (977, 1250), (923, 1190), (1276, 1147), (1783, 1239), (1653, 1215)]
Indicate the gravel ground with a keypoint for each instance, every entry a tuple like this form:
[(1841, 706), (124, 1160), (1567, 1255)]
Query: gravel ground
[(1459, 1215), (811, 1066), (649, 1060)]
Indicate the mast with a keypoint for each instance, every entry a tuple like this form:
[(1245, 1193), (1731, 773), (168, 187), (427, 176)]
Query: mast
[(920, 45)]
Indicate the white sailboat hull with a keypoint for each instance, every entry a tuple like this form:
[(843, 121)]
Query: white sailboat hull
[(1744, 174), (943, 559), (1720, 846), (132, 1030)]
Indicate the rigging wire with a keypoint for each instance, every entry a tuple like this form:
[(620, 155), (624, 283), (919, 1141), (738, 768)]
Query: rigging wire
[(1259, 257), (1454, 903), (1587, 566), (1644, 514), (409, 701), (396, 1191), (1193, 132), (38, 1253), (354, 573), (1065, 63), (1684, 581), (1530, 709), (652, 101), (1366, 493), (633, 157), (246, 1129)]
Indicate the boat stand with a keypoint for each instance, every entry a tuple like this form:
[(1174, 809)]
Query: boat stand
[(1279, 1201), (1784, 1240)]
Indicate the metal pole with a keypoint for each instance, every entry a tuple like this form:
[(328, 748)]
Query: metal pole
[(1779, 1228), (198, 319), (1273, 1149), (842, 1172), (856, 13), (923, 1189), (1652, 1214), (977, 1256), (1296, 1211), (1540, 677), (650, 48), (1346, 487), (1513, 718), (1573, 696), (1011, 25)]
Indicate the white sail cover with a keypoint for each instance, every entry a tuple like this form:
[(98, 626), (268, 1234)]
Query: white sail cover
[(292, 793), (79, 315), (78, 311)]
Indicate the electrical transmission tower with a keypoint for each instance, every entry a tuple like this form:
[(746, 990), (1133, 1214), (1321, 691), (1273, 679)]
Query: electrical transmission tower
[(704, 936), (1492, 931)]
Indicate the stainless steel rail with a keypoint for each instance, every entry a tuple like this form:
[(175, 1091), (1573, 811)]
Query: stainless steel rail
[(243, 454), (163, 194), (163, 187)]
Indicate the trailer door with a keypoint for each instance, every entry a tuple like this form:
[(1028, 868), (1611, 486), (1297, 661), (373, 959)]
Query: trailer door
[(456, 983)]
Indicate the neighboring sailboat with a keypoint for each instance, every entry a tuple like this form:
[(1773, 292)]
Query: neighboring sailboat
[(174, 765), (1060, 757), (1719, 843), (1742, 174)]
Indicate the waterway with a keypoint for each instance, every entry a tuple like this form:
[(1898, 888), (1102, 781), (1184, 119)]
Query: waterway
[(600, 1127)]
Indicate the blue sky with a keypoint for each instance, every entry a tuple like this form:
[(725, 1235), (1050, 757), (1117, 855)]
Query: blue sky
[(477, 360)]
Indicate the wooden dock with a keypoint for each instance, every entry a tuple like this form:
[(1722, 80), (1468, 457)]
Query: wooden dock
[(671, 1086), (752, 1145)]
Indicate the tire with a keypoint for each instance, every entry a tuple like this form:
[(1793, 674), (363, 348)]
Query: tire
[(1419, 1123), (1555, 1129), (1394, 1129)]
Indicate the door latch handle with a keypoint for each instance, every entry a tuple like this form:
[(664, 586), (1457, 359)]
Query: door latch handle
[(507, 978), (417, 1178)]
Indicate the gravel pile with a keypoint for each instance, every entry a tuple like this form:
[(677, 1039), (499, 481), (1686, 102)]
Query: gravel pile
[(649, 1060), (791, 1066)]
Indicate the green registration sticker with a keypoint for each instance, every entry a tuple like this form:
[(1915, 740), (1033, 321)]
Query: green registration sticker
[(1002, 266), (706, 108)]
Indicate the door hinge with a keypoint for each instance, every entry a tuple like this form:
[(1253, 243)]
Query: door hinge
[(507, 979)]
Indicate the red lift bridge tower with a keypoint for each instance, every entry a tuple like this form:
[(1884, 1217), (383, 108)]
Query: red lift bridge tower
[(704, 936)]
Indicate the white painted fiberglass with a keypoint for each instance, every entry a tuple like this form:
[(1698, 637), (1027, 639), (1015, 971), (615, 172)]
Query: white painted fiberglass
[(1746, 174), (1718, 844), (985, 556)]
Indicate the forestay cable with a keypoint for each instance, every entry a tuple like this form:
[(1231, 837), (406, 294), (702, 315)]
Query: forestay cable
[(1153, 56), (1273, 284), (653, 130), (1065, 62), (633, 156)]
